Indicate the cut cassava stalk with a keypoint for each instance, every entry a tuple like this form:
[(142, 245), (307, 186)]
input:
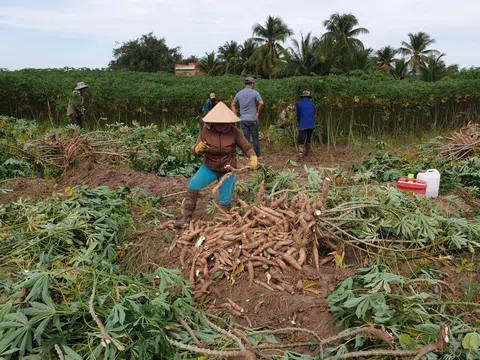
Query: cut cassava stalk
[(315, 256), (221, 354), (190, 332), (59, 352), (106, 339), (225, 177)]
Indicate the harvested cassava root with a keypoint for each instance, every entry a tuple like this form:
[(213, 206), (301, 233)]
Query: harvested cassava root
[(262, 241)]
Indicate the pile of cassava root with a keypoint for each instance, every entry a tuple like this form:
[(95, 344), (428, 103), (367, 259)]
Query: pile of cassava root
[(257, 239)]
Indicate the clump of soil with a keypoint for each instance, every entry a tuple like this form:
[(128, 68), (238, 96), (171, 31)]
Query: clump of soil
[(94, 175), (29, 189)]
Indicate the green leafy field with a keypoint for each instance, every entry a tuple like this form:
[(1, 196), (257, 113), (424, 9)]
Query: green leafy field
[(346, 105)]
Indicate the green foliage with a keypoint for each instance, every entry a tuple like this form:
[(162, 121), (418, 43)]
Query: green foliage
[(146, 54), (465, 173), (406, 307), (417, 50), (378, 106), (383, 166), (65, 248), (14, 161), (268, 58), (81, 218), (167, 153), (171, 154), (210, 64), (433, 68), (470, 74)]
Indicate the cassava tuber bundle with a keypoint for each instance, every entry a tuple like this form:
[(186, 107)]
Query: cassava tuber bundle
[(257, 240)]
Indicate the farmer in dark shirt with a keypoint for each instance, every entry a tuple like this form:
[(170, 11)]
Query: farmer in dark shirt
[(76, 108), (207, 106), (306, 122)]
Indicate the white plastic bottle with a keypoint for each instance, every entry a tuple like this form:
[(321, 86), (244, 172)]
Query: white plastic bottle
[(432, 177)]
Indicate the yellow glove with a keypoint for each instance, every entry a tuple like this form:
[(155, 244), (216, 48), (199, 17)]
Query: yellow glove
[(201, 147), (253, 162)]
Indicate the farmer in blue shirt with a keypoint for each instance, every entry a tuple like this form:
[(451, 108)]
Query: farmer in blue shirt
[(306, 123), (251, 104), (207, 106)]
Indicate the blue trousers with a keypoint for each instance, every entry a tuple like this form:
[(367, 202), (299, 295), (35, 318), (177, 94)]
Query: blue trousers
[(205, 177), (250, 128)]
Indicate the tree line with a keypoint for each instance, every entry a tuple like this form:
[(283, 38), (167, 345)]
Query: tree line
[(338, 51)]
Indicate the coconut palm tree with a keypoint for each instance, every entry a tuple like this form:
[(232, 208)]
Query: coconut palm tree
[(229, 55), (209, 64), (433, 68), (302, 55), (190, 59), (342, 27), (329, 55), (400, 69), (268, 57), (246, 51), (360, 59), (385, 58), (416, 49)]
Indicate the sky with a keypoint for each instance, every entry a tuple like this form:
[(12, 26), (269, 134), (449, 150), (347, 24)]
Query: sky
[(82, 33)]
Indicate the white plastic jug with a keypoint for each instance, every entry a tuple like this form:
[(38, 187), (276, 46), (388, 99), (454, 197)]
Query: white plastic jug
[(432, 177)]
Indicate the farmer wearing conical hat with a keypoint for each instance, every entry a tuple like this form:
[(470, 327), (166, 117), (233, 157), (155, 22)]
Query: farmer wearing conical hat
[(76, 109), (217, 144), (306, 123)]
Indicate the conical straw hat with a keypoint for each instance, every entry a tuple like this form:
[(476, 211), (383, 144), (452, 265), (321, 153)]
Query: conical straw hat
[(221, 114)]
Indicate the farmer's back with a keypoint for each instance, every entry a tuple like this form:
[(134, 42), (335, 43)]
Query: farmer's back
[(247, 99)]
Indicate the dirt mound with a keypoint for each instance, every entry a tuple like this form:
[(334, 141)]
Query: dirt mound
[(27, 189), (305, 308), (93, 175)]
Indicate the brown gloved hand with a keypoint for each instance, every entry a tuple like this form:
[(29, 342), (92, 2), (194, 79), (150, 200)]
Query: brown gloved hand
[(201, 147)]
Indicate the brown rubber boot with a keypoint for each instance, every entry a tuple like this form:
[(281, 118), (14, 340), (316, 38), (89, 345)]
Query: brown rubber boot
[(301, 152), (188, 209), (308, 149)]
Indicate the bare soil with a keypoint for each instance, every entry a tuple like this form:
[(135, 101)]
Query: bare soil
[(303, 309), (28, 189)]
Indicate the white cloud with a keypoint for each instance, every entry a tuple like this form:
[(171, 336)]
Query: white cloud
[(201, 26)]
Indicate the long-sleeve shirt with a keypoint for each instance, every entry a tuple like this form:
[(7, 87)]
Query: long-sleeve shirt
[(305, 114), (207, 106), (222, 148), (75, 103)]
